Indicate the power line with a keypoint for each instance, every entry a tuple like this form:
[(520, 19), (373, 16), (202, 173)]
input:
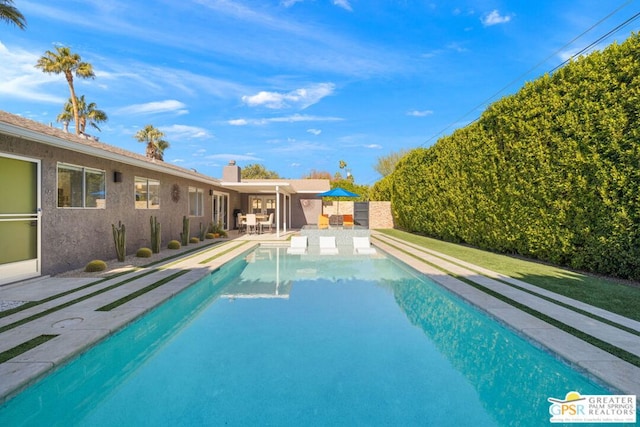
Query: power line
[(517, 79)]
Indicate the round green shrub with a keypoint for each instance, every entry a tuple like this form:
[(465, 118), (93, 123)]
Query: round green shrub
[(144, 253), (174, 244), (95, 265), (209, 236), (194, 240)]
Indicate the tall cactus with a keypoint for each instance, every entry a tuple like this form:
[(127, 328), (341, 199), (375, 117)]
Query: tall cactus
[(156, 239), (184, 236), (203, 231), (120, 240)]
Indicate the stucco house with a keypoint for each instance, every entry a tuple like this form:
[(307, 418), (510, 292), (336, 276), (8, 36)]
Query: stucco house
[(61, 193)]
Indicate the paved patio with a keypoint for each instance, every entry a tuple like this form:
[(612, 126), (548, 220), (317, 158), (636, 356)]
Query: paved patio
[(67, 306)]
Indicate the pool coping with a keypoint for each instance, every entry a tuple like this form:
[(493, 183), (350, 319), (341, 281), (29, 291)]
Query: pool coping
[(75, 337)]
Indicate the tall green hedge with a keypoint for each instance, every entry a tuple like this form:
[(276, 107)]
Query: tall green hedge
[(552, 172)]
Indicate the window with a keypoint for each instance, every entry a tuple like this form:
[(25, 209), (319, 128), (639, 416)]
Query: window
[(147, 193), (80, 187), (196, 201)]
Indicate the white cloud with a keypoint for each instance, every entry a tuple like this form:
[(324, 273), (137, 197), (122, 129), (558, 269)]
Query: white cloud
[(227, 157), (167, 106), (299, 98), (285, 119), (343, 4), (22, 80), (289, 3), (315, 132), (422, 113), (494, 18), (373, 146), (184, 132)]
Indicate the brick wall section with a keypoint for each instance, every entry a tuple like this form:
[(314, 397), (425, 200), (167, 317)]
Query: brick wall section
[(380, 215)]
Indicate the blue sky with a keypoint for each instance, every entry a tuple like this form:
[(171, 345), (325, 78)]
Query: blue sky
[(294, 85)]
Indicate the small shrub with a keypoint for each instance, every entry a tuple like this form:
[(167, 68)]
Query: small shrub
[(209, 236), (144, 253), (174, 244), (194, 240), (95, 265)]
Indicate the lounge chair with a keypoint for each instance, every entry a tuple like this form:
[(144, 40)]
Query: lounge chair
[(328, 245), (347, 220), (361, 245), (298, 245), (323, 221)]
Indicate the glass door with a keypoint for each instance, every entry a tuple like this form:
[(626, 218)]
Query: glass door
[(221, 209), (19, 218)]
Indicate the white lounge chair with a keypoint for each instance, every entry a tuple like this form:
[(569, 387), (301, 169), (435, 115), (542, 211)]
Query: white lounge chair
[(362, 245), (266, 223), (298, 245), (328, 245)]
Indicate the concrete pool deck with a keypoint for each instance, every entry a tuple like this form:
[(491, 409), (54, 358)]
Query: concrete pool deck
[(67, 309)]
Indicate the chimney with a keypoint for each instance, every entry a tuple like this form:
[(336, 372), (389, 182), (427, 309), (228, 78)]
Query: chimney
[(65, 126), (231, 172)]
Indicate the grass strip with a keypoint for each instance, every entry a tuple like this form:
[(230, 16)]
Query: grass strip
[(616, 296), (24, 347), (136, 294), (219, 254), (603, 345), (552, 300), (70, 303), (30, 304)]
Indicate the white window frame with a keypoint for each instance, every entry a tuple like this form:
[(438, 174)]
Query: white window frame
[(196, 201), (147, 186), (100, 203)]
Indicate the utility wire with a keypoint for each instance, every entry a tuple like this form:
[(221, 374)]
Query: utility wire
[(517, 79)]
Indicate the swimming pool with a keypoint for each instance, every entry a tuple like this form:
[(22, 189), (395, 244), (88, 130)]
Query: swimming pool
[(305, 340)]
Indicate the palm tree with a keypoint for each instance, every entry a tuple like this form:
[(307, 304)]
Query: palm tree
[(67, 63), (86, 112), (153, 138), (10, 14)]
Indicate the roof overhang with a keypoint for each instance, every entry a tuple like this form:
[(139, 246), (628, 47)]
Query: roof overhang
[(259, 187), (162, 167)]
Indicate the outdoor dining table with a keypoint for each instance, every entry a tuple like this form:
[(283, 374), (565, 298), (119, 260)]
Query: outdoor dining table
[(259, 217)]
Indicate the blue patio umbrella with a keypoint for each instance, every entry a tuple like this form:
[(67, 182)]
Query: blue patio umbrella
[(338, 192)]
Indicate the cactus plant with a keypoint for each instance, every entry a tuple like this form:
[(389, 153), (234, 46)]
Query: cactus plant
[(174, 244), (203, 230), (120, 240), (156, 239), (184, 236), (209, 236), (144, 253), (194, 240), (95, 265)]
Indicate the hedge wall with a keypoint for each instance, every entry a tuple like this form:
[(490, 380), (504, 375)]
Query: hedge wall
[(552, 172)]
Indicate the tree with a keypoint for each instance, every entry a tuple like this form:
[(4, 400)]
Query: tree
[(256, 171), (11, 14), (67, 63), (386, 164), (86, 112), (153, 138), (343, 165), (316, 174)]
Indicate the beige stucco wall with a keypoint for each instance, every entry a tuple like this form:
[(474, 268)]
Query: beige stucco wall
[(73, 236), (380, 215)]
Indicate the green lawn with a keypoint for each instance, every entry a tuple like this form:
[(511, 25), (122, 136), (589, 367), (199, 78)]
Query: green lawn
[(609, 294)]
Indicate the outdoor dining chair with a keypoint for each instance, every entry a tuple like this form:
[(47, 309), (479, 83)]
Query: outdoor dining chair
[(268, 222), (252, 224)]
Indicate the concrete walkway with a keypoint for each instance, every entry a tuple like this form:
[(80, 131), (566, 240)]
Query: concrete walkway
[(65, 313)]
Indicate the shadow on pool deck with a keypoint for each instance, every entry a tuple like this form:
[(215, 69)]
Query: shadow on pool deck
[(66, 314)]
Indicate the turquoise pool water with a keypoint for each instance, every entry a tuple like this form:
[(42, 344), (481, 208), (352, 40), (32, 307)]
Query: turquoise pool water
[(272, 339)]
